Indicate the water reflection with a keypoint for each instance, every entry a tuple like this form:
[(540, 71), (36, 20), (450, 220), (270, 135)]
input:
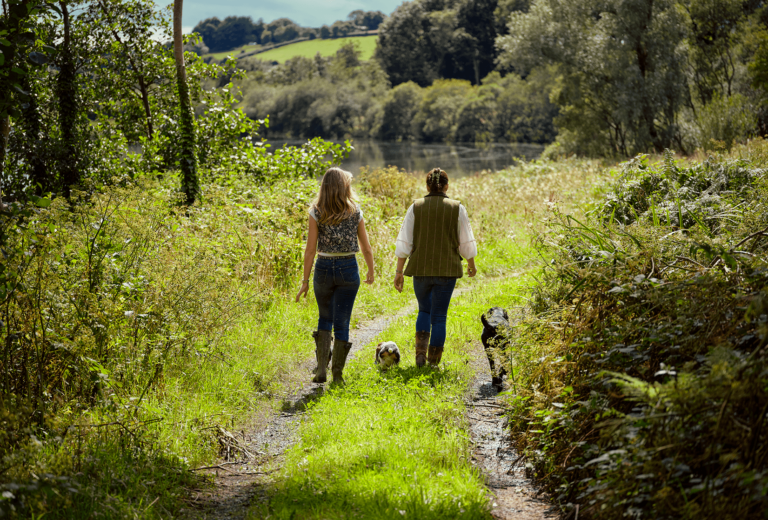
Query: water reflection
[(458, 159)]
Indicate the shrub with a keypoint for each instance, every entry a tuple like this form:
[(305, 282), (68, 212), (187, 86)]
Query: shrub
[(640, 364), (396, 114), (725, 121), (437, 115)]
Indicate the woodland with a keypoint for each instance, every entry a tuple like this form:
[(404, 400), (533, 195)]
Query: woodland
[(596, 79), (151, 240)]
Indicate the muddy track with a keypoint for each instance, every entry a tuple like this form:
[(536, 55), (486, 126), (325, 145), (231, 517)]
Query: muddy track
[(513, 495), (237, 485)]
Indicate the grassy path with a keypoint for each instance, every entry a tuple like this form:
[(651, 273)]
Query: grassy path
[(393, 445)]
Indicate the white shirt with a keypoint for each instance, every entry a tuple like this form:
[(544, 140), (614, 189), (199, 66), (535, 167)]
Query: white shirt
[(467, 244)]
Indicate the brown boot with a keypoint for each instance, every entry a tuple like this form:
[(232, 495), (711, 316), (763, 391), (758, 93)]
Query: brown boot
[(422, 341), (323, 354), (435, 355), (340, 352)]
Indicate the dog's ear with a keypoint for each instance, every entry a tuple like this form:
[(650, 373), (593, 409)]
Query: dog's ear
[(483, 319), (504, 313)]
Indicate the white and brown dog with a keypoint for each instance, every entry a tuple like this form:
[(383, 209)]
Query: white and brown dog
[(387, 355)]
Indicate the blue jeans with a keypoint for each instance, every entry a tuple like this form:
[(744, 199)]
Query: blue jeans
[(434, 296), (336, 283)]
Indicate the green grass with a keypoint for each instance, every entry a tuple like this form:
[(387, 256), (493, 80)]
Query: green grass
[(394, 445), (145, 443), (310, 48), (263, 349)]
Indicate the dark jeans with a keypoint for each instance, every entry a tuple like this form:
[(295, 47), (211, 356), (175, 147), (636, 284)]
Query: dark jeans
[(336, 283), (434, 296)]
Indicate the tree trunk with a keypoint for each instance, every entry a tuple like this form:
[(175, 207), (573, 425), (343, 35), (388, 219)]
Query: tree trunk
[(5, 131), (66, 91), (14, 18), (31, 121), (187, 157)]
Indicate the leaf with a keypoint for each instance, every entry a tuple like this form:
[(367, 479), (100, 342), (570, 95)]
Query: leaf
[(40, 202), (38, 58)]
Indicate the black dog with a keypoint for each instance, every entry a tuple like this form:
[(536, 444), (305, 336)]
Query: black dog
[(495, 335)]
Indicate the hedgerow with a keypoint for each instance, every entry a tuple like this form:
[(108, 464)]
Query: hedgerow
[(639, 367)]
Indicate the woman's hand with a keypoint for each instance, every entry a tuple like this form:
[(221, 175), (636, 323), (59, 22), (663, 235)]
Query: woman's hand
[(369, 277), (471, 270), (399, 280), (304, 289)]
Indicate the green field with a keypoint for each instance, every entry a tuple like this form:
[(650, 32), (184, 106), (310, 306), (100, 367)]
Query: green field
[(233, 52), (325, 47)]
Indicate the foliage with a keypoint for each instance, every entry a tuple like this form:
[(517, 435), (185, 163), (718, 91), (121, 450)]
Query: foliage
[(673, 60), (328, 97), (337, 97), (368, 19), (436, 118), (395, 119), (724, 122), (628, 95), (425, 40), (639, 365)]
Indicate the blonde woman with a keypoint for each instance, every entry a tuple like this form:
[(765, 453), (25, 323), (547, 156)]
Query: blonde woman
[(336, 233), (435, 236)]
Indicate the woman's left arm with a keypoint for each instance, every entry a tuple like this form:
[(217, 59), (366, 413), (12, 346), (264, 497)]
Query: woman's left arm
[(365, 247), (309, 257)]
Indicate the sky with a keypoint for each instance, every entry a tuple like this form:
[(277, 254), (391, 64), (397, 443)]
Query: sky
[(308, 13)]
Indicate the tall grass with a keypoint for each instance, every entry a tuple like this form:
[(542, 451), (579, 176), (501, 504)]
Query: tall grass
[(128, 320)]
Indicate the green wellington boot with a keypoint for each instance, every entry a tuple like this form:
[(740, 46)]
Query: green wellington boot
[(422, 340), (340, 352), (323, 354)]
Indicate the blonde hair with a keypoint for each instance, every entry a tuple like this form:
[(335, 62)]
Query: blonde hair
[(336, 201)]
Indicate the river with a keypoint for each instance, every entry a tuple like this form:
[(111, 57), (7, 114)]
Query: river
[(458, 160)]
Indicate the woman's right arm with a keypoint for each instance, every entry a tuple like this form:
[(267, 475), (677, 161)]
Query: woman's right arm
[(309, 257), (404, 247)]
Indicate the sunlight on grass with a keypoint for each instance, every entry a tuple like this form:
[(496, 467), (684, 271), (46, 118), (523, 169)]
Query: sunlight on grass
[(393, 445)]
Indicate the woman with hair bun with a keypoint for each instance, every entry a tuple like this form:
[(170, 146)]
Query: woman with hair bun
[(434, 238), (336, 232)]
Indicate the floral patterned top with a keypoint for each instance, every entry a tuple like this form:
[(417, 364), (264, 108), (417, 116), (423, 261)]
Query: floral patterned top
[(341, 238)]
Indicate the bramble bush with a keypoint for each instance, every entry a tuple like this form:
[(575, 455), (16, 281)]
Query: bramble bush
[(639, 366)]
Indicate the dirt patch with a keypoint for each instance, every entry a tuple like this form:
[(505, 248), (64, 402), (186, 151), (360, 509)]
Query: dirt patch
[(237, 485), (513, 495)]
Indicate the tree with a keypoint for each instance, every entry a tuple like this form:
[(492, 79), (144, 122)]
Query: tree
[(187, 156), (398, 111), (622, 64), (427, 39), (712, 36), (66, 93), (372, 20), (405, 47), (17, 44)]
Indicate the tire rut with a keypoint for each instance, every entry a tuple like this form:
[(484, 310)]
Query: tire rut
[(236, 485), (512, 494)]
